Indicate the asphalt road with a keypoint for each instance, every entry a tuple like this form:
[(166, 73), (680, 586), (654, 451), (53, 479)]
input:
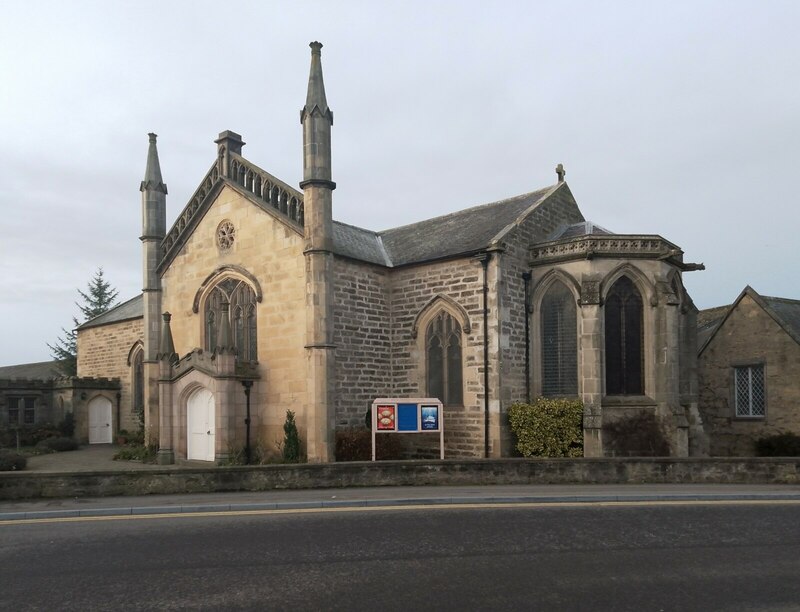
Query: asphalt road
[(719, 556)]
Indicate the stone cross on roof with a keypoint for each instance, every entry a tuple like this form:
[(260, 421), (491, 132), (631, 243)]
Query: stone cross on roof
[(561, 172)]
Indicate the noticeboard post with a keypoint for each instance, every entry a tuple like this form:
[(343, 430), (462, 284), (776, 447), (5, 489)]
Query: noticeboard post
[(407, 415)]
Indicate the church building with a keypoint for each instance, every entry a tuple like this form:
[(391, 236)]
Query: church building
[(255, 298)]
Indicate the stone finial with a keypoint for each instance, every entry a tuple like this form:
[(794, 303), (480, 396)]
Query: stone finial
[(315, 98), (166, 349), (152, 173), (560, 172)]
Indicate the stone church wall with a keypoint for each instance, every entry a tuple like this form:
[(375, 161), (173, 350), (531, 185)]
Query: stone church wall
[(362, 330), (749, 336), (412, 288), (103, 352), (558, 210), (272, 251)]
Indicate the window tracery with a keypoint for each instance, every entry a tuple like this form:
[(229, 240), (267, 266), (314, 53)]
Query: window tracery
[(242, 313), (443, 357)]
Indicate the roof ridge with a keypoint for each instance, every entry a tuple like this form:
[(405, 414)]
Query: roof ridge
[(467, 210)]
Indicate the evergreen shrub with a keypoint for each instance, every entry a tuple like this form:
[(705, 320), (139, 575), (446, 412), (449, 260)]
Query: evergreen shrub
[(67, 426), (640, 435), (11, 462), (779, 445), (549, 427), (291, 439)]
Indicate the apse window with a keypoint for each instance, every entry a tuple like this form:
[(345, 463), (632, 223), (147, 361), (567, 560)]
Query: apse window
[(749, 392)]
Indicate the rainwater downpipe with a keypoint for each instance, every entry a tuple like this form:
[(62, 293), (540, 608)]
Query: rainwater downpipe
[(247, 384), (119, 398), (526, 277)]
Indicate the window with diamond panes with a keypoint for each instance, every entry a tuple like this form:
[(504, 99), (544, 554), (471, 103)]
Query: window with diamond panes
[(242, 313), (559, 342), (749, 391), (624, 339), (443, 352)]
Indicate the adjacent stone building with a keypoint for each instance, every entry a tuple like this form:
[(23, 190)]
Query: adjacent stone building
[(749, 371), (257, 297)]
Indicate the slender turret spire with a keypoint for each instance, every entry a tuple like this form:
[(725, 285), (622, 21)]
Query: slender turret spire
[(315, 98), (166, 349), (152, 173)]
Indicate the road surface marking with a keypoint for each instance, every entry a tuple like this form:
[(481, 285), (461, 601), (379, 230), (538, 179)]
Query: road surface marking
[(417, 507)]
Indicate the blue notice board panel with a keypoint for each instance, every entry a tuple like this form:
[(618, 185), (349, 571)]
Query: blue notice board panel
[(407, 417)]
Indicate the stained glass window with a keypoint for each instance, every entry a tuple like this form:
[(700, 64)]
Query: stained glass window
[(559, 342), (443, 353), (624, 339)]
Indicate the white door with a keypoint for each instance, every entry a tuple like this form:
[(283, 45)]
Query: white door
[(200, 426), (100, 421)]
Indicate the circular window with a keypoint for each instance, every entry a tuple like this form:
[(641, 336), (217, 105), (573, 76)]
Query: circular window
[(225, 235)]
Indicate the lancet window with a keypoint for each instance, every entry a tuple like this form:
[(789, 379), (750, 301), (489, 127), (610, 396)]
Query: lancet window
[(624, 339), (559, 342), (137, 372), (443, 353)]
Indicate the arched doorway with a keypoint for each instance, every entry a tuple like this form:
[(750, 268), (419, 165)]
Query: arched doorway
[(201, 433), (100, 420)]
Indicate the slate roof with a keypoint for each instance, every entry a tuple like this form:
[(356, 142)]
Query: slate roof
[(584, 228), (458, 233), (132, 309), (707, 322), (784, 312), (43, 370)]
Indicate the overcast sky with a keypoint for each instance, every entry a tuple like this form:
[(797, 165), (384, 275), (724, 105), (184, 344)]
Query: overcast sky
[(675, 118)]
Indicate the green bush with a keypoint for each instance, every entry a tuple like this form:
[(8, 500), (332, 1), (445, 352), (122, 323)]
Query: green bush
[(59, 445), (10, 461), (291, 439), (355, 444), (137, 452), (779, 445), (640, 435), (548, 427)]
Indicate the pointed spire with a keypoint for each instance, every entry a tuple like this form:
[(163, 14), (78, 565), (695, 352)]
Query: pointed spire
[(166, 349), (315, 99), (224, 343), (152, 174)]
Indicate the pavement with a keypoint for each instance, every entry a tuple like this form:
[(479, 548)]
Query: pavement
[(98, 458)]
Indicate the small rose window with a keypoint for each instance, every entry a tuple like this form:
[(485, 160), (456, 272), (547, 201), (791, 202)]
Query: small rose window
[(225, 235)]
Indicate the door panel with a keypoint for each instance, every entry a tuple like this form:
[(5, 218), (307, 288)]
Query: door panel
[(200, 429), (100, 421)]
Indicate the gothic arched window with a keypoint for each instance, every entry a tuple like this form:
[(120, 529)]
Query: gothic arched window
[(242, 313), (624, 339), (559, 342), (443, 353), (137, 371)]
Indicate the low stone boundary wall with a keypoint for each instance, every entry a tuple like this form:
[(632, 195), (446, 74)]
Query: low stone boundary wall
[(31, 485)]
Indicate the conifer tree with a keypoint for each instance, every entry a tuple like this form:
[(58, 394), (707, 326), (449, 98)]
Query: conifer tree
[(98, 298)]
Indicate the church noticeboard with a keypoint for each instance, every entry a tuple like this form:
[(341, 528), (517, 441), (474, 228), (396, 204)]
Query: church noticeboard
[(407, 415)]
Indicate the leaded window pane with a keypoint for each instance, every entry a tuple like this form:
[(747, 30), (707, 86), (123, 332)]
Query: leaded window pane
[(138, 382), (624, 339), (559, 342), (435, 368), (454, 382), (750, 392)]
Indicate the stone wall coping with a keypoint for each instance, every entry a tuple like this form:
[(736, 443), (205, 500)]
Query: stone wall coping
[(511, 471)]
